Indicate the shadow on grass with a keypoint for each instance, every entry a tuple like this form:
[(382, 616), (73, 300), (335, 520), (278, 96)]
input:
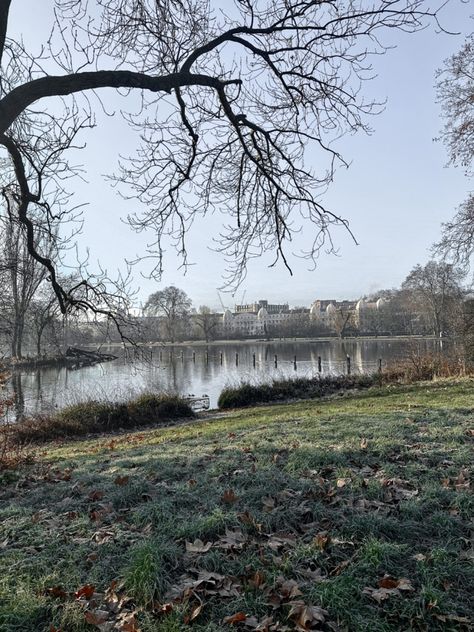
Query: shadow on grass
[(311, 503)]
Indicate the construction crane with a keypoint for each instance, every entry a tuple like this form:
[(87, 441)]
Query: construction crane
[(224, 308)]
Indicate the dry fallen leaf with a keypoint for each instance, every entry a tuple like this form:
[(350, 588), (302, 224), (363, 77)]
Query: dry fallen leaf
[(238, 617), (86, 591), (229, 497), (322, 540), (198, 546), (306, 617), (389, 586), (57, 592), (96, 617)]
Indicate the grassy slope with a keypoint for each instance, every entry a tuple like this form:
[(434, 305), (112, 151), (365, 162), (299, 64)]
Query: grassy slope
[(382, 474)]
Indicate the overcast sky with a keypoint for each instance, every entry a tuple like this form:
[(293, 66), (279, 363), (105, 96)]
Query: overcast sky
[(396, 193)]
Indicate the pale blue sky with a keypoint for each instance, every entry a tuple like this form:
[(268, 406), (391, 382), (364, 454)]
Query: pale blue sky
[(395, 194)]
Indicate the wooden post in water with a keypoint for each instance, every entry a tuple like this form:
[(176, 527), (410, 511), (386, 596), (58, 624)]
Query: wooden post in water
[(194, 356), (161, 355), (236, 359), (253, 360), (319, 364), (182, 356), (207, 356), (294, 363), (222, 358), (276, 361), (348, 360), (380, 365)]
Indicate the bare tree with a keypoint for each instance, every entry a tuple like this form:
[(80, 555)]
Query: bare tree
[(343, 318), (21, 274), (437, 289), (207, 321), (173, 306), (44, 315), (456, 94), (230, 102)]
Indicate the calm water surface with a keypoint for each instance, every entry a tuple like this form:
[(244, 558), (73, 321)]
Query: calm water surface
[(177, 370)]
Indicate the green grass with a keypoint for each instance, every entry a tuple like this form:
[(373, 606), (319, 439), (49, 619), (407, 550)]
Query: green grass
[(333, 495)]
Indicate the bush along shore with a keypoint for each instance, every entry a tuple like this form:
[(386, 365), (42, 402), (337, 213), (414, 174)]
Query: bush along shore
[(93, 417), (247, 394), (411, 370), (350, 514)]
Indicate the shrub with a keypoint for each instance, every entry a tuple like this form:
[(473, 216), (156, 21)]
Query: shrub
[(417, 367), (247, 394), (96, 417)]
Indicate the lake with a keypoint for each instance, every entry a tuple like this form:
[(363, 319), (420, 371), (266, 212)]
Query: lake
[(199, 369)]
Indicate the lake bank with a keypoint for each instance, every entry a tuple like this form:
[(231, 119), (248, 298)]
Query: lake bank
[(314, 503), (200, 370)]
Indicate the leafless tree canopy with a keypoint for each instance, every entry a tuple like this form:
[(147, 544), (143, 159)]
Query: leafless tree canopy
[(231, 102), (456, 95)]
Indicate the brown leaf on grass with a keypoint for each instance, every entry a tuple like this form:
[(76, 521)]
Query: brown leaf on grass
[(238, 617), (232, 540), (388, 582), (398, 489), (276, 542), (257, 580), (247, 518), (96, 617), (192, 482), (86, 591), (198, 546), (57, 592), (389, 586), (229, 497), (462, 480), (306, 617), (266, 624), (121, 480), (322, 540), (364, 443), (405, 585), (127, 623), (342, 482)]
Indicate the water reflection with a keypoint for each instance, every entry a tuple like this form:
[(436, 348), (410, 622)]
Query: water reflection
[(201, 369)]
